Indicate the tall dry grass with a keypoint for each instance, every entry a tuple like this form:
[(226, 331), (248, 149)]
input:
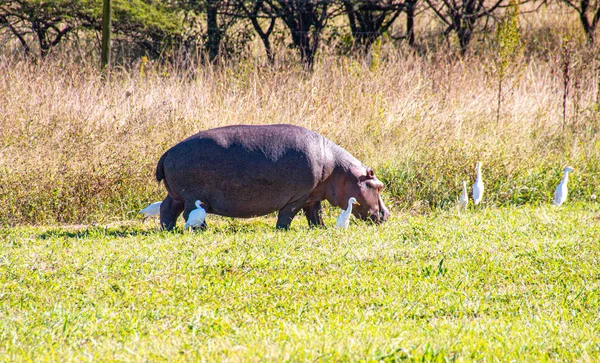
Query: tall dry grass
[(75, 149)]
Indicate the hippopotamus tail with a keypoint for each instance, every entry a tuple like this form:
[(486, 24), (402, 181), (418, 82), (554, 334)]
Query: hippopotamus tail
[(160, 171)]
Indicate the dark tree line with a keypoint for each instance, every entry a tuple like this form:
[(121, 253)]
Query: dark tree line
[(214, 25)]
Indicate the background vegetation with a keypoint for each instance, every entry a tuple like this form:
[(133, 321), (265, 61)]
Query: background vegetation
[(225, 28), (524, 100)]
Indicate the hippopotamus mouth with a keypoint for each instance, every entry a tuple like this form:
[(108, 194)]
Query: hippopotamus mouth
[(379, 216)]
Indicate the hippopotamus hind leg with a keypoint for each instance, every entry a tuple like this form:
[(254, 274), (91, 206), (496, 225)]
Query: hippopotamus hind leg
[(170, 209), (313, 214), (287, 214)]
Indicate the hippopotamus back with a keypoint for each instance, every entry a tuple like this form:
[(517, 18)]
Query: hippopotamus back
[(245, 171)]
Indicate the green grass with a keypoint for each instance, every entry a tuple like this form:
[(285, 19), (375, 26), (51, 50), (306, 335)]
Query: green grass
[(494, 284)]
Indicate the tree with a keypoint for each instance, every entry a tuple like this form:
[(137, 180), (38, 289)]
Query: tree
[(218, 17), (305, 19), (461, 16), (411, 6), (48, 22), (369, 19), (257, 11), (214, 33), (585, 9), (154, 26), (44, 22)]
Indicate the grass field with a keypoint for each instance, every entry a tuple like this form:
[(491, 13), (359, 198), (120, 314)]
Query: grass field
[(493, 284)]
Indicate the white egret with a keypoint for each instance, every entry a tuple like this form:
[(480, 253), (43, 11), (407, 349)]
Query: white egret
[(464, 198), (151, 210), (560, 195), (478, 187), (196, 217), (344, 219)]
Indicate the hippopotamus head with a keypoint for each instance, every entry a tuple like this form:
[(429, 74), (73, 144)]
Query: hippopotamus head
[(362, 184)]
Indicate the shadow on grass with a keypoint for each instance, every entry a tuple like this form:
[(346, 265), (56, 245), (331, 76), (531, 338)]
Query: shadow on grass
[(232, 227), (98, 231), (222, 225)]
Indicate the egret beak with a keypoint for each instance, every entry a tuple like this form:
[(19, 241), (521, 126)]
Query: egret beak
[(357, 203)]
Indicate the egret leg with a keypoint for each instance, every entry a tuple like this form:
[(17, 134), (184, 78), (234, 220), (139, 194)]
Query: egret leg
[(287, 214), (201, 228), (170, 209), (314, 215)]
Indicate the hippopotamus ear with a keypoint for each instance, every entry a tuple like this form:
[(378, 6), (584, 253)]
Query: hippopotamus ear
[(370, 173)]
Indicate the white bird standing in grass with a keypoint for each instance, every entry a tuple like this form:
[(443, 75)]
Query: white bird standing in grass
[(196, 217), (464, 198), (560, 195), (478, 187), (344, 219), (151, 210)]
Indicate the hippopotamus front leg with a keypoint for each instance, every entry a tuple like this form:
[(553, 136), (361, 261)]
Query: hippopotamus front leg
[(170, 209), (313, 214)]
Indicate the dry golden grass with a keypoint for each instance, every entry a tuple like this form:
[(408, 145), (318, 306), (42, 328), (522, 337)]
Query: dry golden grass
[(75, 149)]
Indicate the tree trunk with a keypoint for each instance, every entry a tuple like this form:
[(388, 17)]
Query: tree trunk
[(41, 36), (106, 20), (465, 33), (410, 21), (264, 36), (588, 27), (306, 50), (305, 22), (268, 49), (214, 33)]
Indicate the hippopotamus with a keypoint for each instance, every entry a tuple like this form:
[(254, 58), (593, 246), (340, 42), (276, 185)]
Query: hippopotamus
[(246, 171)]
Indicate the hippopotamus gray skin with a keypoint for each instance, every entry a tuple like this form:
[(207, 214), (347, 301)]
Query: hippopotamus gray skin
[(246, 171)]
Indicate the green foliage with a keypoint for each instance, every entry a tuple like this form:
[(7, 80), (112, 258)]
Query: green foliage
[(508, 50), (508, 40), (50, 22), (375, 55), (508, 284), (151, 24), (434, 180), (149, 17)]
